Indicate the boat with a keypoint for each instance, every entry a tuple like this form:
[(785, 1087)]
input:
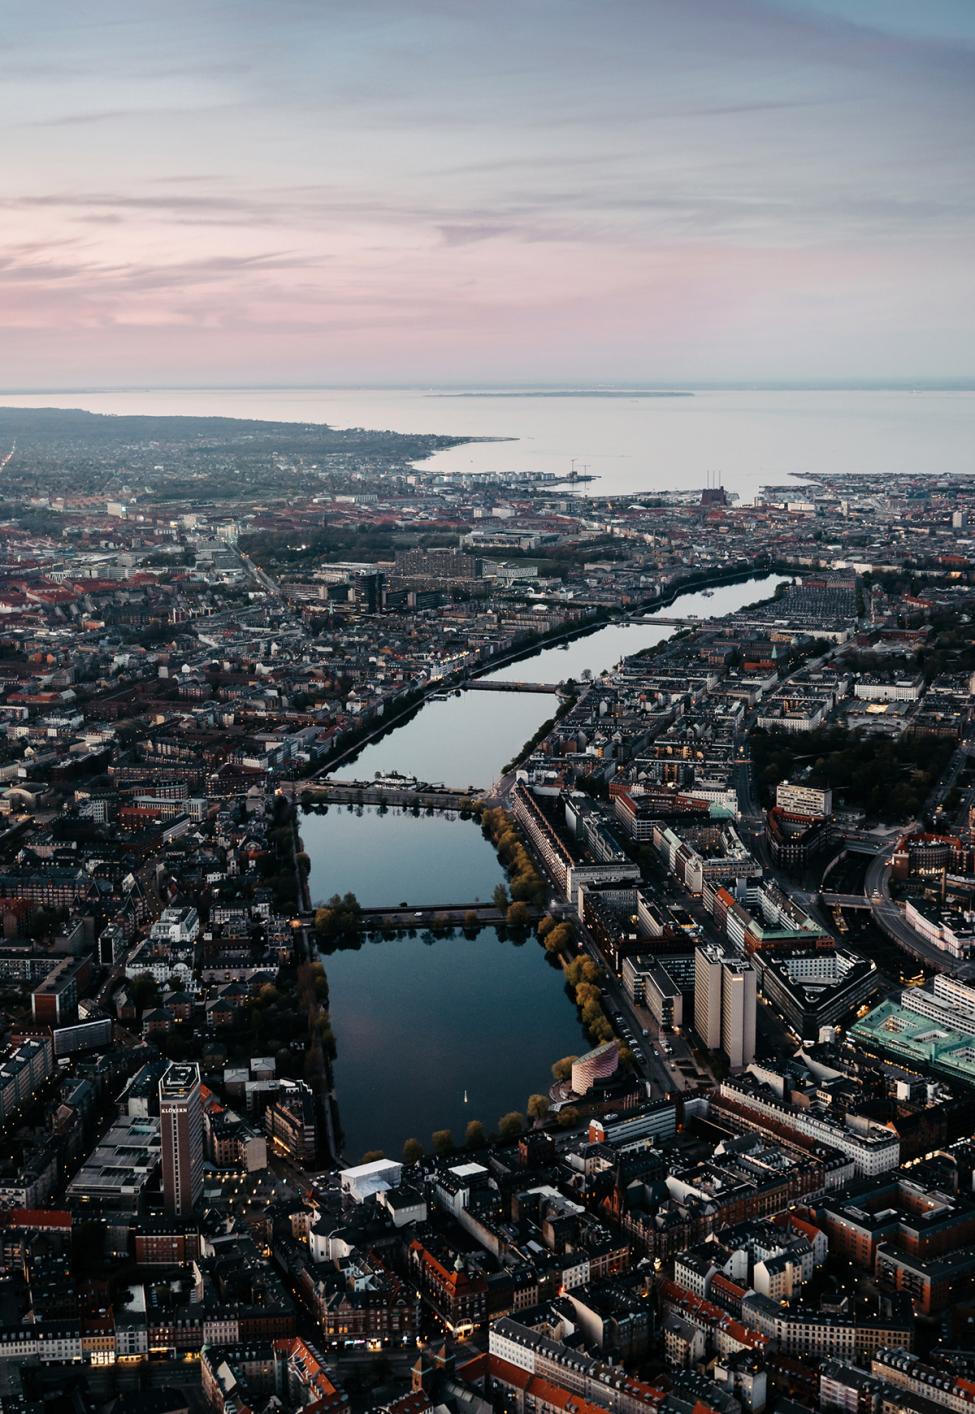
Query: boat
[(465, 1097), (395, 780)]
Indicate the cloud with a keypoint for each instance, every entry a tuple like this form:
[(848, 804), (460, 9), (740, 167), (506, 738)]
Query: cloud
[(626, 168)]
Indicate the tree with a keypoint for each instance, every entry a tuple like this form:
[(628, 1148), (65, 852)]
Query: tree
[(475, 1135), (470, 920), (371, 1155), (562, 1069), (145, 991), (545, 925), (537, 1107), (500, 898), (568, 1117), (443, 1141), (560, 939), (511, 1124), (340, 917), (517, 915), (412, 1151)]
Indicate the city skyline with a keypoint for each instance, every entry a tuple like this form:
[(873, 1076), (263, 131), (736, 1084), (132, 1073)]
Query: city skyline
[(382, 193)]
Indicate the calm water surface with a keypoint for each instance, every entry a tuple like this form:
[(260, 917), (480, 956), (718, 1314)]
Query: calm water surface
[(464, 741), (604, 648), (420, 1020), (633, 444), (396, 857)]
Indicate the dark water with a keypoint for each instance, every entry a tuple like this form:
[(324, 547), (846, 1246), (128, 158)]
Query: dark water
[(419, 1020), (398, 857)]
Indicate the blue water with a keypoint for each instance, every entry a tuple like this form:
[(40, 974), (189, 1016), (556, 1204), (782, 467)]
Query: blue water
[(420, 1020), (392, 858)]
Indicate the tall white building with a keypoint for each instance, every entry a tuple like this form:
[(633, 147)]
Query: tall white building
[(738, 1010), (725, 1004), (707, 995)]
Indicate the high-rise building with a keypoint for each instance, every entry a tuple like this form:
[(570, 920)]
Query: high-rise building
[(707, 995), (725, 1004), (738, 1009), (181, 1132)]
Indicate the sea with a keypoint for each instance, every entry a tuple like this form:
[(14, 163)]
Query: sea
[(629, 440)]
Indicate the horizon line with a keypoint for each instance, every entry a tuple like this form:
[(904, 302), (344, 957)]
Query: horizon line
[(959, 384)]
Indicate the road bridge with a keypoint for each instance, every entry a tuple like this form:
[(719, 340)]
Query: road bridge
[(832, 900), (374, 793), (658, 620), (498, 685), (454, 915)]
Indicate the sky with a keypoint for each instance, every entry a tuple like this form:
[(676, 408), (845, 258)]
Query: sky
[(220, 192)]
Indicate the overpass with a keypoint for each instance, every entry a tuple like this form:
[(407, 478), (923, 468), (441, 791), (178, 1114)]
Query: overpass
[(831, 900)]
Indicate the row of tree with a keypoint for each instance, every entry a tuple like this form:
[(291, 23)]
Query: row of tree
[(524, 881), (476, 1136)]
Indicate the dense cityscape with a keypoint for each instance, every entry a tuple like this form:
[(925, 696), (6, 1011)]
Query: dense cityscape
[(728, 859)]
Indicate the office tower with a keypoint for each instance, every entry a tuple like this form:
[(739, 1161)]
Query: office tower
[(738, 1008), (181, 1128), (707, 995), (725, 999)]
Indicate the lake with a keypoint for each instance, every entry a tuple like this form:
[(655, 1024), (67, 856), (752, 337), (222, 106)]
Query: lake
[(420, 1020), (463, 741), (393, 857), (467, 740), (417, 1020), (604, 648)]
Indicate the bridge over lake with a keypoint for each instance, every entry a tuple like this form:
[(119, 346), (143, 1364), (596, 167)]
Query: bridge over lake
[(436, 797), (500, 685)]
